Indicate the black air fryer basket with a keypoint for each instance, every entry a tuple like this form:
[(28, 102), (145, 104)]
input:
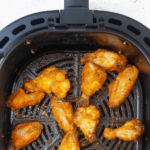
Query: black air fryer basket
[(60, 38)]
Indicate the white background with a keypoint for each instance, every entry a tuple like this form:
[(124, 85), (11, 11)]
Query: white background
[(10, 10)]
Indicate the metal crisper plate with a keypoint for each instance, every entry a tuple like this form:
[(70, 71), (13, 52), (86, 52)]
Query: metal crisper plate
[(52, 135)]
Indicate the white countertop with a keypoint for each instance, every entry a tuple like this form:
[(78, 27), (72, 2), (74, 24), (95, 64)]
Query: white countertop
[(11, 10)]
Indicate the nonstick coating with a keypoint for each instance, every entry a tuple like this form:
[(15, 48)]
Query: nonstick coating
[(52, 135)]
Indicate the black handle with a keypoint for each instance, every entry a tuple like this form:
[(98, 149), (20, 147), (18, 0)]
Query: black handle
[(76, 3), (76, 12)]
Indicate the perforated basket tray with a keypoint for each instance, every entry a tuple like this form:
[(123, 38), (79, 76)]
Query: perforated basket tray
[(52, 135)]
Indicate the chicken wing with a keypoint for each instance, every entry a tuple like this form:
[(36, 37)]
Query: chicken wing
[(20, 99), (121, 87), (70, 141), (87, 118), (108, 60), (93, 78), (50, 80), (24, 134), (63, 113), (130, 131)]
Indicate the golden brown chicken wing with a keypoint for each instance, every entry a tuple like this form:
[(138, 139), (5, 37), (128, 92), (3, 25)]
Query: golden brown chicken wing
[(87, 118), (121, 87), (130, 131), (20, 99), (108, 60), (70, 141), (24, 134), (50, 80), (63, 113), (93, 78)]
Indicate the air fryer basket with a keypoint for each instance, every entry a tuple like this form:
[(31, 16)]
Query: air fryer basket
[(46, 39)]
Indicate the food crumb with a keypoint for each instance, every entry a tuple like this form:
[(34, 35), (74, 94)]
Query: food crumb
[(82, 144), (45, 113)]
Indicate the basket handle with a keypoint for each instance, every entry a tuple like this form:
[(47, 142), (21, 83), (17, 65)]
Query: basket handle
[(76, 3), (76, 12)]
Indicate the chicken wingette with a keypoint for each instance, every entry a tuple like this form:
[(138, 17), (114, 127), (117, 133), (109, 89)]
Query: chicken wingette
[(108, 60), (24, 134), (120, 88), (63, 113), (93, 78), (130, 131), (50, 80), (87, 118), (20, 99), (70, 141)]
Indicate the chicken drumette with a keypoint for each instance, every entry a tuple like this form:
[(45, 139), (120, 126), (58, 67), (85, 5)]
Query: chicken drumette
[(50, 80), (87, 118), (63, 113), (121, 87), (20, 99), (70, 141), (24, 134), (108, 60), (93, 78), (130, 131)]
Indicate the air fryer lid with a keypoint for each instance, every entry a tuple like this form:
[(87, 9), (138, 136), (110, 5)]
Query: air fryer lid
[(45, 39)]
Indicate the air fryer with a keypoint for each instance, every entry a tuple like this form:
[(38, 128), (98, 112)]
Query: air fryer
[(61, 38)]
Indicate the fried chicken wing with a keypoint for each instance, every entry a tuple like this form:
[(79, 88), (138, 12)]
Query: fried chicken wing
[(130, 131), (93, 78), (20, 99), (63, 113), (70, 141), (120, 88), (87, 118), (24, 134), (108, 60), (50, 80)]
